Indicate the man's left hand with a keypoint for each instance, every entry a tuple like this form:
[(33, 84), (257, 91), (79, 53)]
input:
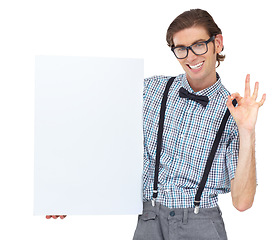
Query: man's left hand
[(246, 112)]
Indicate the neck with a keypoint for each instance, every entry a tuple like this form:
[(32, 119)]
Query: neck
[(201, 84)]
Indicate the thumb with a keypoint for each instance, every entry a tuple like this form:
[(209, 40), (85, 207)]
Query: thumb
[(230, 105)]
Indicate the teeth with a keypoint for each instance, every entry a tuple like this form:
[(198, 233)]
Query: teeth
[(196, 66)]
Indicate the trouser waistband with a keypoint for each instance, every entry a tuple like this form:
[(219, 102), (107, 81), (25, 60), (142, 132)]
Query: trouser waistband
[(182, 213)]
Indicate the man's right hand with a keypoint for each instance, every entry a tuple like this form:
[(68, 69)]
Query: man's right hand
[(55, 216)]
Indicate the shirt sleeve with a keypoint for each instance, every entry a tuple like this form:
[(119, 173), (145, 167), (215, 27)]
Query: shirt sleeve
[(146, 85), (232, 152), (151, 84)]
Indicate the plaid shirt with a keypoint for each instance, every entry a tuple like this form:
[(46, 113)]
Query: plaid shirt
[(188, 136)]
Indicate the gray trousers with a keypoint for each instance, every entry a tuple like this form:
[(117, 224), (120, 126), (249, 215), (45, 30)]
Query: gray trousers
[(162, 223)]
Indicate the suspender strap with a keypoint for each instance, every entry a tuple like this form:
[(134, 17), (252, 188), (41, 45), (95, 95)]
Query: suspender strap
[(210, 160), (159, 138)]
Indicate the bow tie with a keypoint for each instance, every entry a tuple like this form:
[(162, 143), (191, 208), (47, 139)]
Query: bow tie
[(199, 99)]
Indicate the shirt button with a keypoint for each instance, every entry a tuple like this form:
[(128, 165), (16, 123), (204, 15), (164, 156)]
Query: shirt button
[(172, 214)]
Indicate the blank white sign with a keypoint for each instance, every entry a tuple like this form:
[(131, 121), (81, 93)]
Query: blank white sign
[(88, 135)]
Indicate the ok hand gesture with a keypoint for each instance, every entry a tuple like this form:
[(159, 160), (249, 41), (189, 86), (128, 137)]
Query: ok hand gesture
[(245, 114)]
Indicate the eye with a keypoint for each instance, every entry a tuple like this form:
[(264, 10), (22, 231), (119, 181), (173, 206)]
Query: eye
[(199, 45), (180, 49)]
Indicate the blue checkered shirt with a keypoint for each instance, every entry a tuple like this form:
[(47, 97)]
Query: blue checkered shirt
[(188, 136)]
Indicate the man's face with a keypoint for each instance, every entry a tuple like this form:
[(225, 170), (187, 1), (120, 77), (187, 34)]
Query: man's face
[(200, 70)]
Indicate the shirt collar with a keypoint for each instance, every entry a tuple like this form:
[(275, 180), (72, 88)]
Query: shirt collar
[(209, 92)]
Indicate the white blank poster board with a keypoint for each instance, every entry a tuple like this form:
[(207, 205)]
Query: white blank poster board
[(88, 135)]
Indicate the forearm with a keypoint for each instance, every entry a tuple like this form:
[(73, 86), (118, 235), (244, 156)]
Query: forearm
[(243, 186)]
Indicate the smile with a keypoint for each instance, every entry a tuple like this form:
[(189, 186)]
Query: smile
[(196, 66)]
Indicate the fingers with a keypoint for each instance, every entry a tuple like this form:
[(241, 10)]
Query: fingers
[(230, 105), (255, 94), (247, 86), (55, 216), (256, 90), (261, 103), (236, 96)]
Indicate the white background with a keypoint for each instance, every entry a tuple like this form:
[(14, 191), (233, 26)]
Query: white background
[(134, 29)]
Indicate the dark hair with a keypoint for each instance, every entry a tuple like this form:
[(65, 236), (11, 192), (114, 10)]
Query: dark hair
[(191, 18)]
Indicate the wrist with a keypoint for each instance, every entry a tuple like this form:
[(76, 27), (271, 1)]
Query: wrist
[(246, 133), (247, 142)]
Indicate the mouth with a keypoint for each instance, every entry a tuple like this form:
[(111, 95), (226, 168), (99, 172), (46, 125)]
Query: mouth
[(197, 66)]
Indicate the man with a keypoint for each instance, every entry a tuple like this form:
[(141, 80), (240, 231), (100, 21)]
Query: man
[(180, 129)]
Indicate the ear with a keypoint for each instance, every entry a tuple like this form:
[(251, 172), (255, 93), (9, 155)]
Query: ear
[(219, 43)]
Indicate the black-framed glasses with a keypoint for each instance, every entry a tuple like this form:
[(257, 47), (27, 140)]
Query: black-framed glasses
[(198, 48)]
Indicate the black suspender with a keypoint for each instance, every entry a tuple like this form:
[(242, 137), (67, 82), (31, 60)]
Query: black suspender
[(210, 158), (159, 138)]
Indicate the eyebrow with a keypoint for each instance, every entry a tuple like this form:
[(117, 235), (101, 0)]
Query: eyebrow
[(199, 40)]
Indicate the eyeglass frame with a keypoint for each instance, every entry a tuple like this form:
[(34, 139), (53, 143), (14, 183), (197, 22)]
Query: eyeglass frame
[(190, 47)]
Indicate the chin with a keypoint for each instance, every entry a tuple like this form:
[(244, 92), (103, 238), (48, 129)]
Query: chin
[(194, 77)]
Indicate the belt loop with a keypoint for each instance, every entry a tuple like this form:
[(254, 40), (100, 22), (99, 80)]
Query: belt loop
[(185, 216), (157, 208)]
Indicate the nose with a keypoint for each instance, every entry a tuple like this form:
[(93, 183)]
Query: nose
[(191, 56)]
